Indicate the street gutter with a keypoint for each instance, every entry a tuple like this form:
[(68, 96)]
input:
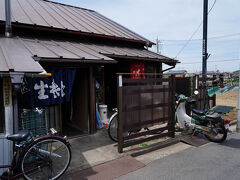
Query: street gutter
[(163, 144), (157, 146)]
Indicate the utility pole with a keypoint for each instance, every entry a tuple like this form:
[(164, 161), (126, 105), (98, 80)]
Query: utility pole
[(157, 41), (204, 45), (238, 107), (159, 45), (204, 50)]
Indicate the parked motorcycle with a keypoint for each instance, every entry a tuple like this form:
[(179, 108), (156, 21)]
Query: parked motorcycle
[(210, 122)]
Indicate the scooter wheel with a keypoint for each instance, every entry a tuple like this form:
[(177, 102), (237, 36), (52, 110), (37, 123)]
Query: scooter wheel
[(221, 135)]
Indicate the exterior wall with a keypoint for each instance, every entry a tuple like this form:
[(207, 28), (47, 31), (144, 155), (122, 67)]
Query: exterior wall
[(5, 145), (153, 67)]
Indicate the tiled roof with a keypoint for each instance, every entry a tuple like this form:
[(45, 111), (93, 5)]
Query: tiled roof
[(59, 16)]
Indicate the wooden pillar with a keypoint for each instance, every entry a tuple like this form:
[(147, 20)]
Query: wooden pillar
[(171, 112), (15, 113), (60, 119), (120, 122), (92, 102)]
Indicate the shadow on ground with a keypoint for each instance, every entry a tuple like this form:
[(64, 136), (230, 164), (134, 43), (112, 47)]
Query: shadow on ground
[(91, 150), (233, 143)]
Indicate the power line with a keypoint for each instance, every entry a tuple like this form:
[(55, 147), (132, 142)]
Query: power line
[(194, 32), (188, 40), (212, 6), (213, 61), (213, 37)]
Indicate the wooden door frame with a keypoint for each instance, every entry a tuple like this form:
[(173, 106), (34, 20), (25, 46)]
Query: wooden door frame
[(92, 102)]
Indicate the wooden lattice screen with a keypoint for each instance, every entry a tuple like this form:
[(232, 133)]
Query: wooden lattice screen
[(145, 103)]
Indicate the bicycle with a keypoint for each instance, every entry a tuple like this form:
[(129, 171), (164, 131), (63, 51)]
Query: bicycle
[(46, 157), (113, 127)]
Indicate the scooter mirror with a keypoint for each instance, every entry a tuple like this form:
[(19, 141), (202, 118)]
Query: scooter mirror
[(196, 92)]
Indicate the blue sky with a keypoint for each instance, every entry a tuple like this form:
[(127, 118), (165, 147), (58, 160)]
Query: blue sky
[(173, 22)]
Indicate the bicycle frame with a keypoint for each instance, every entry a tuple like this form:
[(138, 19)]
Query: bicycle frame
[(19, 152), (13, 163), (111, 118)]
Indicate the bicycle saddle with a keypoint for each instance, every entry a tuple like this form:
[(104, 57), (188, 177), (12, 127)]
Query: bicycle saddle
[(20, 136)]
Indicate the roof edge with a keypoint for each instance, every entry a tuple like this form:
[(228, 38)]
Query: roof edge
[(169, 61), (78, 61), (28, 26)]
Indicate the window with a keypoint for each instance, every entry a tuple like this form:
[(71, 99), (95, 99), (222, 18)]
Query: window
[(2, 118)]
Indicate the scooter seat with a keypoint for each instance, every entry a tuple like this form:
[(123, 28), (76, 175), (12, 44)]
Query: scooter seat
[(198, 112), (191, 100), (213, 116), (20, 136)]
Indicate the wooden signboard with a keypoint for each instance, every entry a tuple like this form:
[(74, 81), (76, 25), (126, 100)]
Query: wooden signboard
[(7, 92)]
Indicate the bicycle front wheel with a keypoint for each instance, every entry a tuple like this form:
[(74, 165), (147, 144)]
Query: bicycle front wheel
[(113, 128), (47, 158)]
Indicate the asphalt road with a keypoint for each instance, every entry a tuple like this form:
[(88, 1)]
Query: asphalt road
[(208, 162)]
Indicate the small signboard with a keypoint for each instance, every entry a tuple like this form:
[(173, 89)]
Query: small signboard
[(7, 91), (137, 70)]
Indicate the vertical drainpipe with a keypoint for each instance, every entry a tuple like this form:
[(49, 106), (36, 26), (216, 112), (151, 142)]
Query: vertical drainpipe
[(8, 33), (16, 79), (8, 26), (9, 112)]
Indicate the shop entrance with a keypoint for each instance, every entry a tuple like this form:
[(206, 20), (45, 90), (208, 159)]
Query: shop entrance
[(110, 78), (75, 114)]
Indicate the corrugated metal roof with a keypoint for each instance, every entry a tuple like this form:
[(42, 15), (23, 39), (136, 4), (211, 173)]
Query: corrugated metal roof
[(14, 57), (56, 15), (18, 53), (177, 71), (130, 53)]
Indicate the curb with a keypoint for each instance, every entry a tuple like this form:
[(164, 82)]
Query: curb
[(164, 144), (157, 146)]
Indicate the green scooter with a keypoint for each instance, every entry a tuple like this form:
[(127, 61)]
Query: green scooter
[(210, 123)]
